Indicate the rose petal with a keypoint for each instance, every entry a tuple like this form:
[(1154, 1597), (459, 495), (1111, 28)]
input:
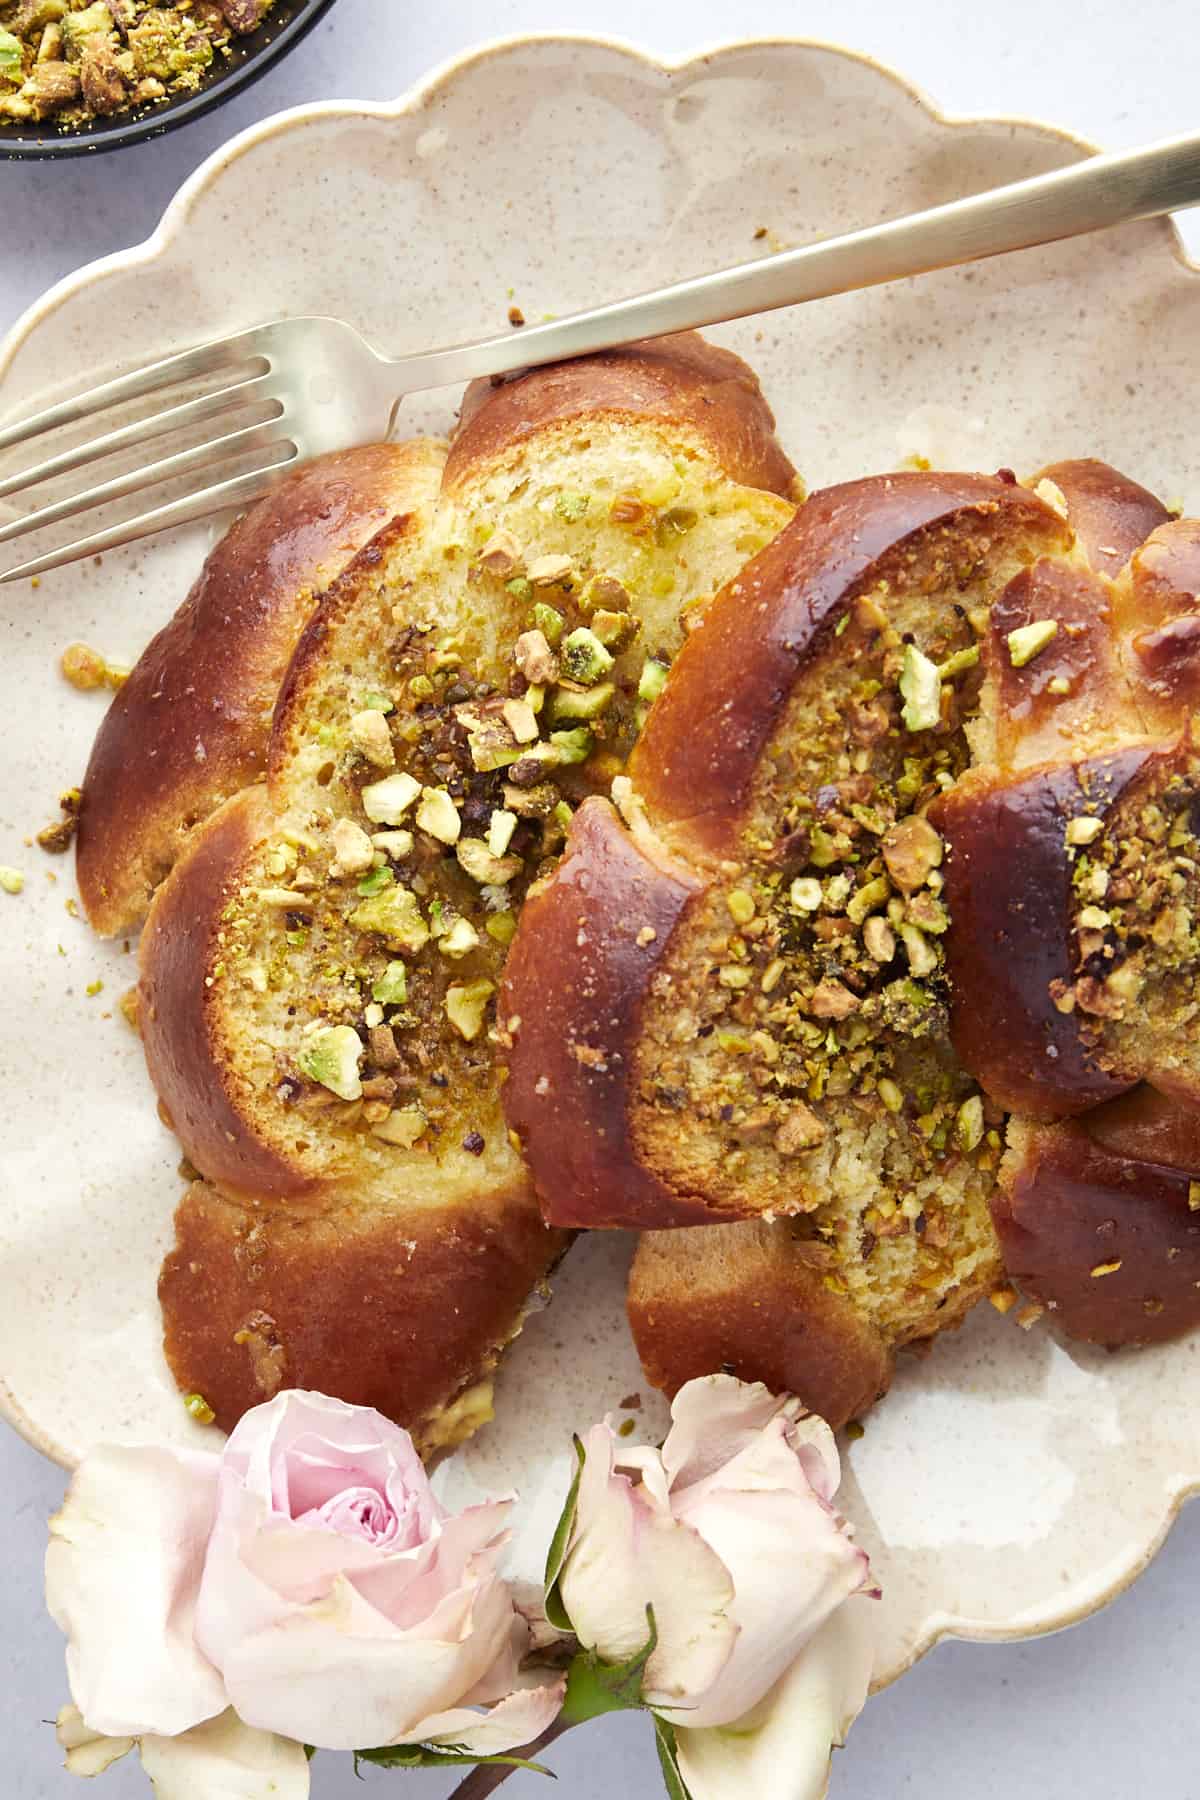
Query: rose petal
[(515, 1721), (340, 1676), (225, 1760), (122, 1570), (88, 1752), (624, 1556), (792, 1566), (713, 1419), (407, 1590), (783, 1747)]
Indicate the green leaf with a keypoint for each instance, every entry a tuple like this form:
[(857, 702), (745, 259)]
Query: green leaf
[(556, 1556), (668, 1759), (595, 1687), (310, 1750), (432, 1756)]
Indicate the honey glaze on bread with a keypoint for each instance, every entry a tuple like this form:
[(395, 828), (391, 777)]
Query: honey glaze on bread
[(889, 903), (320, 970)]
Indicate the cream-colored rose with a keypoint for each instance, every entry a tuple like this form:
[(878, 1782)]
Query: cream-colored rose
[(729, 1532), (307, 1577)]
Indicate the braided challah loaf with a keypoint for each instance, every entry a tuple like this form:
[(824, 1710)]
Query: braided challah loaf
[(319, 969), (832, 939)]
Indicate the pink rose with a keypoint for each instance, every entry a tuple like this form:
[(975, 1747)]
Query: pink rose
[(306, 1576), (729, 1532)]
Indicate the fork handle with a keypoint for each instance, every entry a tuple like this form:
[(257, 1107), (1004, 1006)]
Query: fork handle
[(1089, 195)]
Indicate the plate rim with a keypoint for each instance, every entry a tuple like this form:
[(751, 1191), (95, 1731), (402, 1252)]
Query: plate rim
[(939, 1624)]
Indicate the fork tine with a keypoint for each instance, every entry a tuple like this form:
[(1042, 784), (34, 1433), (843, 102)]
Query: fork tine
[(175, 418), (146, 475), (238, 490), (207, 359)]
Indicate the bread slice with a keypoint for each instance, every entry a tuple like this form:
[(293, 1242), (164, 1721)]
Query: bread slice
[(743, 1036), (319, 971), (189, 728), (1099, 1221)]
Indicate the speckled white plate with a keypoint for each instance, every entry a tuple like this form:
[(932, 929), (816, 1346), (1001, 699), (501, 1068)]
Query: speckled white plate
[(1008, 1485)]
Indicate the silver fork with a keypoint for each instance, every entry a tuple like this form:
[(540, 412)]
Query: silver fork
[(316, 378)]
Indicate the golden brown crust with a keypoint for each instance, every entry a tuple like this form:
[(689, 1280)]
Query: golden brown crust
[(189, 727), (400, 1310), (742, 1298), (1097, 1228), (180, 1009), (696, 761), (606, 919), (691, 385), (1159, 604), (1034, 721), (1111, 513), (1009, 894)]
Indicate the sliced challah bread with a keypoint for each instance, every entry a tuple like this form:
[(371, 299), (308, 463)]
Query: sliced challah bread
[(190, 726), (319, 970), (762, 1018)]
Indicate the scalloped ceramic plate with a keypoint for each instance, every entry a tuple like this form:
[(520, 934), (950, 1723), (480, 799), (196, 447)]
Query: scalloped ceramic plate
[(1008, 1485)]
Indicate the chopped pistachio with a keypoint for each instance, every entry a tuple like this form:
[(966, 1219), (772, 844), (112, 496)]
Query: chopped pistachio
[(521, 720), (466, 1005), (372, 1015), (1058, 684), (199, 1408), (922, 958), (890, 1094), (370, 736), (571, 746), (492, 743), (921, 688), (1084, 829), (395, 915), (836, 892), (1108, 1268), (772, 975), (481, 865), (652, 681), (533, 651), (871, 895), (805, 892), (581, 703), (375, 881), (734, 975), (1194, 1196), (331, 1056), (960, 661), (879, 940), (93, 988), (535, 696), (438, 815), (459, 939), (502, 926), (377, 703), (968, 1124), (391, 988), (912, 849), (741, 906), (521, 588), (287, 899), (11, 880), (353, 850), (1028, 641), (500, 829), (571, 507), (549, 571), (584, 658), (562, 815), (396, 844), (735, 1043), (1094, 918), (616, 630), (405, 1126), (501, 555)]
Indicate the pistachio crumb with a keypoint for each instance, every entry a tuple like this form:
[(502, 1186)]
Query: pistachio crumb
[(921, 689), (741, 906), (1003, 1299), (1084, 830), (1028, 641), (1108, 1268), (11, 880), (199, 1408)]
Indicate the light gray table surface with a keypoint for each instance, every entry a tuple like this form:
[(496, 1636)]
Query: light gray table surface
[(1106, 1710)]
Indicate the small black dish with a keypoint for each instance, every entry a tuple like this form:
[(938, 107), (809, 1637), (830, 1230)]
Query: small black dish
[(248, 58)]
